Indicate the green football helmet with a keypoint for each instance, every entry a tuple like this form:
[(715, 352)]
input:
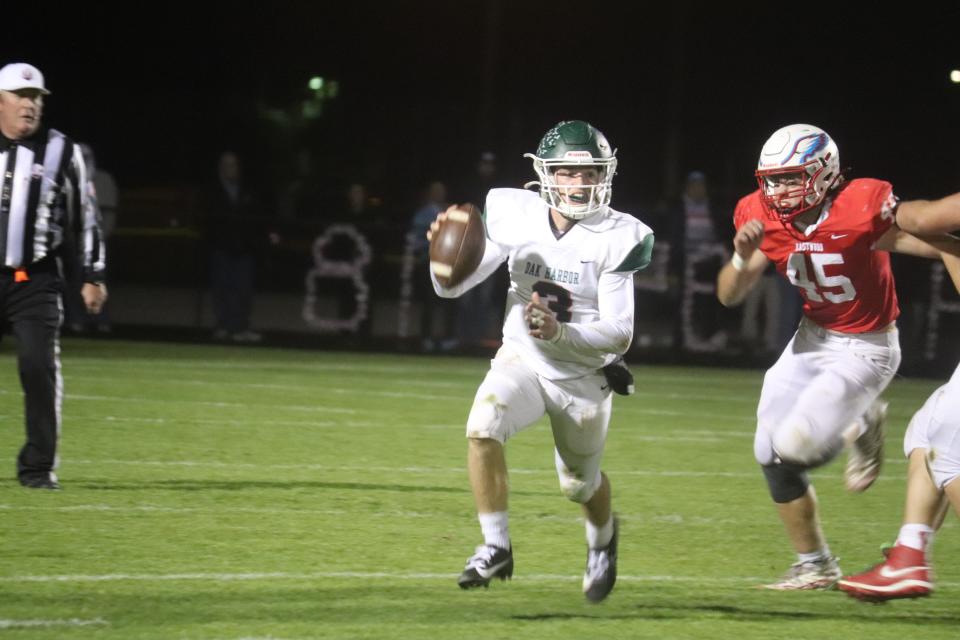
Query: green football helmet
[(574, 143)]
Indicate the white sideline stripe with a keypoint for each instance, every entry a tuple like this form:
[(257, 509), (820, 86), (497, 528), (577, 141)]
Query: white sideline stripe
[(70, 622), (363, 575)]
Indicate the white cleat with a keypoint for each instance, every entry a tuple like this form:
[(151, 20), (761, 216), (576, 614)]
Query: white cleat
[(819, 574), (866, 452)]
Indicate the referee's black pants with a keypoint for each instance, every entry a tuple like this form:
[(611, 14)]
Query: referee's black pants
[(32, 309)]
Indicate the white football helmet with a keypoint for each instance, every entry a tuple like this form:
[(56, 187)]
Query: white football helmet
[(574, 143), (798, 149)]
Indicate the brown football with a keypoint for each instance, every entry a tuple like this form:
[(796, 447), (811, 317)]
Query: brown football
[(456, 249)]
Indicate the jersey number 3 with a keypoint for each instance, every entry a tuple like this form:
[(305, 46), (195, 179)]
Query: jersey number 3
[(814, 289), (556, 298)]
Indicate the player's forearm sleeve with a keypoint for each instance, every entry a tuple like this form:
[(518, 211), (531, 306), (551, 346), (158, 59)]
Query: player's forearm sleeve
[(613, 332)]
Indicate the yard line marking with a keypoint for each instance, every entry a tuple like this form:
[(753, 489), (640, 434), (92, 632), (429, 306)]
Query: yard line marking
[(317, 407), (437, 470), (717, 436), (366, 575), (219, 405), (654, 520), (295, 384), (252, 422), (285, 366), (70, 622), (467, 386), (475, 366), (385, 469)]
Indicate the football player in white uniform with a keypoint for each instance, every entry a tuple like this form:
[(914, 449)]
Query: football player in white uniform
[(932, 446), (569, 319)]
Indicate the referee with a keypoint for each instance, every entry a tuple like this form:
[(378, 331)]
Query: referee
[(45, 207)]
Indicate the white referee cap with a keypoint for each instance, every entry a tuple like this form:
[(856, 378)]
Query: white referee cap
[(20, 75)]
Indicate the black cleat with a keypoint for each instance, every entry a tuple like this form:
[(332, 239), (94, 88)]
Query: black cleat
[(619, 377), (601, 573), (487, 563), (45, 481)]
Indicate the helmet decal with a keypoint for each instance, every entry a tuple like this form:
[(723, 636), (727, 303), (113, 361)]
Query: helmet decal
[(817, 141)]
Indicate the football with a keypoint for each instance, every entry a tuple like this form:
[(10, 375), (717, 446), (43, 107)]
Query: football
[(456, 249)]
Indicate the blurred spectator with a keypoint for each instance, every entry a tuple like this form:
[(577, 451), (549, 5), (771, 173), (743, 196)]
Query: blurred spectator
[(301, 199), (103, 192), (762, 306), (234, 237), (431, 305), (108, 199), (480, 318), (357, 201), (913, 294), (362, 208), (697, 218), (696, 257), (791, 310)]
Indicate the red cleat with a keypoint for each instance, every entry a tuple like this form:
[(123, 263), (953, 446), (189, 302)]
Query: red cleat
[(904, 574)]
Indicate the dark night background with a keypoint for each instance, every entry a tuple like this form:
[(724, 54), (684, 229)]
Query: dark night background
[(424, 86)]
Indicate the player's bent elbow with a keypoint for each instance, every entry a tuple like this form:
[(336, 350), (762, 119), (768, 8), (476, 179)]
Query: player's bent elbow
[(728, 299), (455, 292)]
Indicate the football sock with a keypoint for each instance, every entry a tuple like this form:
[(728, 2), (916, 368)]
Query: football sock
[(814, 556), (599, 537), (495, 527), (915, 536)]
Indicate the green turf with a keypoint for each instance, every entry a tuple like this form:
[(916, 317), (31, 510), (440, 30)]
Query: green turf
[(215, 492)]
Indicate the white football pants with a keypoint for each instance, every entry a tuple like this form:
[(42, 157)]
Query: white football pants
[(512, 397), (820, 386)]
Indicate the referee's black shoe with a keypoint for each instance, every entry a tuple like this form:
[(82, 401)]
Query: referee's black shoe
[(44, 481)]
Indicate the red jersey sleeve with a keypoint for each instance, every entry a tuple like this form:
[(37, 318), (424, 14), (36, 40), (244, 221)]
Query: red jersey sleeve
[(882, 207)]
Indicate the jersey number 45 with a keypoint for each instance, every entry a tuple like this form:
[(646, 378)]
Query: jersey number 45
[(815, 289)]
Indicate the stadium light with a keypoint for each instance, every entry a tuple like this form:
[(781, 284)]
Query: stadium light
[(316, 83), (955, 76)]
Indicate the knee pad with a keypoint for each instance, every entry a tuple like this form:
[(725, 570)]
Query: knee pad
[(486, 419), (794, 442), (798, 446), (786, 481), (578, 490)]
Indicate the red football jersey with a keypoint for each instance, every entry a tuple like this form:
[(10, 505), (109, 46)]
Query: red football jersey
[(846, 285)]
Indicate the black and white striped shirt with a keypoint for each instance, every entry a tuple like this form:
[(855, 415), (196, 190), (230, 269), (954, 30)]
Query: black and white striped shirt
[(44, 195)]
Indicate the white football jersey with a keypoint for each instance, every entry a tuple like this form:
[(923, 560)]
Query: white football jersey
[(585, 277)]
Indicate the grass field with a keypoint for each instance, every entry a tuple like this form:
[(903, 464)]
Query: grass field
[(215, 492)]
